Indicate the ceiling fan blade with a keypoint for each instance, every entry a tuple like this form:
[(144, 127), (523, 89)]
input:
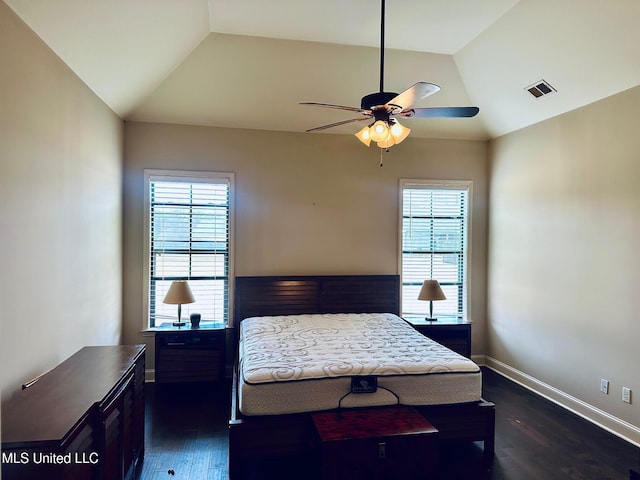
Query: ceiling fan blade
[(411, 95), (440, 112), (324, 127), (339, 107)]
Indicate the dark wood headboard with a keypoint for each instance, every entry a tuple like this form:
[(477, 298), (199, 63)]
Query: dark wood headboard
[(290, 295)]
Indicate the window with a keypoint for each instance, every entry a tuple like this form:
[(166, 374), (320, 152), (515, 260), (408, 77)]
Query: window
[(189, 234), (435, 229)]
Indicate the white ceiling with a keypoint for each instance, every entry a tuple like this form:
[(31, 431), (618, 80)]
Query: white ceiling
[(248, 63)]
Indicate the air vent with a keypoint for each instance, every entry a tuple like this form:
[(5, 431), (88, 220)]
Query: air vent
[(540, 89)]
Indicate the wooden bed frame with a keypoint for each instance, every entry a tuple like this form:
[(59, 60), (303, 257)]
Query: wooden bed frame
[(258, 438)]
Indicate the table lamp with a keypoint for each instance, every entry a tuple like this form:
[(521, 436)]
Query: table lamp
[(431, 291), (179, 293)]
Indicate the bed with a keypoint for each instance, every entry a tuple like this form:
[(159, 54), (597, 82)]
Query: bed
[(271, 410)]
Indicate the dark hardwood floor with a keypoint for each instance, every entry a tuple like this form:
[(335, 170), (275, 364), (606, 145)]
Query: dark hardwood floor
[(186, 433)]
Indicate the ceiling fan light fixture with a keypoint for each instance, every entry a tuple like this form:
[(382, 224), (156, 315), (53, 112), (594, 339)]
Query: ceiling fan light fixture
[(383, 106), (379, 131), (398, 131), (364, 136)]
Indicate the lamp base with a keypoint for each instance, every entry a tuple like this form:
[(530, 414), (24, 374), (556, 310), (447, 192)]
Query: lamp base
[(178, 324), (431, 319)]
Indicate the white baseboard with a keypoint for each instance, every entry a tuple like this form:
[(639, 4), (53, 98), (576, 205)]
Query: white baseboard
[(615, 425)]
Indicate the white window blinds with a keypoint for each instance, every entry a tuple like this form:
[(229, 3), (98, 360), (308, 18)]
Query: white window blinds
[(189, 239), (434, 244)]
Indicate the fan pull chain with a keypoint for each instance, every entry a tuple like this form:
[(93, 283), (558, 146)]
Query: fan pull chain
[(383, 150)]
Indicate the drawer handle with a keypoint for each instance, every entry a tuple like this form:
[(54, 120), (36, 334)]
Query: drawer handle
[(174, 344)]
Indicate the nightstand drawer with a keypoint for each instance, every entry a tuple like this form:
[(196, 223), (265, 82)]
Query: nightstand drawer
[(190, 340), (186, 365)]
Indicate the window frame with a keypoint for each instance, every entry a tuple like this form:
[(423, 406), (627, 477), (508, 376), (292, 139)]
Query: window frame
[(467, 236), (185, 176)]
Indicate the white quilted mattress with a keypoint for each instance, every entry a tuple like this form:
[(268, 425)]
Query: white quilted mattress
[(304, 363)]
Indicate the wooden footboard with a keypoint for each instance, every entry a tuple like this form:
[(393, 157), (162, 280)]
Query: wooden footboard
[(471, 422)]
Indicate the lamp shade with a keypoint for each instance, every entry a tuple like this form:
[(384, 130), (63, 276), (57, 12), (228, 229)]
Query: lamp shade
[(379, 131), (399, 132), (179, 293), (364, 136), (431, 291)]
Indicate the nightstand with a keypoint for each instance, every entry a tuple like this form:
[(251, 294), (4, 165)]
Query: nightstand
[(186, 354), (452, 332)]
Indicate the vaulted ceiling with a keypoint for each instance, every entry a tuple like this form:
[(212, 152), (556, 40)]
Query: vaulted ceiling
[(248, 63)]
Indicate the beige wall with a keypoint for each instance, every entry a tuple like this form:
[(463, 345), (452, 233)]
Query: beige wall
[(60, 214), (305, 203), (564, 258)]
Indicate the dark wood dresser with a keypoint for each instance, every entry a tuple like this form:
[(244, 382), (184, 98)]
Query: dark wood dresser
[(82, 420)]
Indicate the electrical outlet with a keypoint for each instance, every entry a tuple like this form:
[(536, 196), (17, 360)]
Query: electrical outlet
[(626, 394), (604, 386)]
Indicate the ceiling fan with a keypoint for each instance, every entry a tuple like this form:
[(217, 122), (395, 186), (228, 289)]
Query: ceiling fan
[(383, 108)]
